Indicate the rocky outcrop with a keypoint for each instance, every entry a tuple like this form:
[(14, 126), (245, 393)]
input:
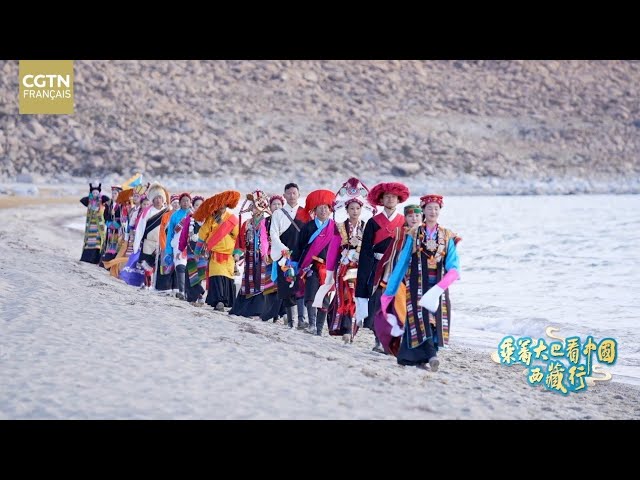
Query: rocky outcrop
[(411, 120)]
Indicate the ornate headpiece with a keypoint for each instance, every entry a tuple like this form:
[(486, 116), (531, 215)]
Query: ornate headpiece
[(431, 198), (353, 190), (408, 209)]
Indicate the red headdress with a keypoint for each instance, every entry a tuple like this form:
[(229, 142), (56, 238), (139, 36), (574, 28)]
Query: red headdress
[(320, 197), (394, 188), (431, 198)]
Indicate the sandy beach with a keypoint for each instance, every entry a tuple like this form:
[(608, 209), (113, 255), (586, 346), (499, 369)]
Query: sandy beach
[(76, 343)]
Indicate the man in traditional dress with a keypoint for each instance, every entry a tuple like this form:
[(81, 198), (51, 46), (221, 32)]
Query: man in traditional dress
[(378, 234), (218, 235), (310, 254), (285, 229)]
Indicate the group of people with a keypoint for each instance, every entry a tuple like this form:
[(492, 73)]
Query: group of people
[(390, 274)]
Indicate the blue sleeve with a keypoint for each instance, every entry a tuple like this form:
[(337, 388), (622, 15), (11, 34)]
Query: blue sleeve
[(168, 249), (452, 261), (401, 267)]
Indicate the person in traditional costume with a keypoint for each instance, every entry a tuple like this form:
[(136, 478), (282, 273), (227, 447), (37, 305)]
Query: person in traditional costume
[(196, 271), (252, 245), (342, 263), (173, 254), (415, 317), (273, 306), (218, 235), (123, 201), (132, 273), (378, 234), (94, 230), (135, 211), (310, 254), (147, 238), (113, 220), (166, 281), (283, 233)]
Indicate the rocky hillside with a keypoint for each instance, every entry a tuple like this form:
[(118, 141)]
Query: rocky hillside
[(495, 120)]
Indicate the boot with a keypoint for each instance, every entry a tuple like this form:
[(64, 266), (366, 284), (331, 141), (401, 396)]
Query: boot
[(320, 320), (180, 274), (290, 317), (434, 363), (302, 324)]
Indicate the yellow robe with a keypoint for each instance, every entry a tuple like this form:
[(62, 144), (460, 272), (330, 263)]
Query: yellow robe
[(217, 265)]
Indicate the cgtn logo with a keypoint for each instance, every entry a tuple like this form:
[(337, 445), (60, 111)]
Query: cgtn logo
[(46, 86)]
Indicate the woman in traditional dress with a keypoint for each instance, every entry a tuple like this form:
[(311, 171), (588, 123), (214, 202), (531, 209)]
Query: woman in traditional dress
[(112, 216), (173, 254), (166, 281), (273, 305), (414, 319), (196, 269), (342, 262), (147, 238), (252, 245), (94, 231)]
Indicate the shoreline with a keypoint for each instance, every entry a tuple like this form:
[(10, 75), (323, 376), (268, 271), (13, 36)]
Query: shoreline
[(173, 360), (464, 184)]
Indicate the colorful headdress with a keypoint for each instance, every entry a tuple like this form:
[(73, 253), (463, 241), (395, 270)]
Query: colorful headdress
[(320, 197), (353, 190), (408, 209), (257, 198), (184, 194), (124, 197), (432, 198), (175, 198), (394, 188), (227, 199), (141, 189)]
